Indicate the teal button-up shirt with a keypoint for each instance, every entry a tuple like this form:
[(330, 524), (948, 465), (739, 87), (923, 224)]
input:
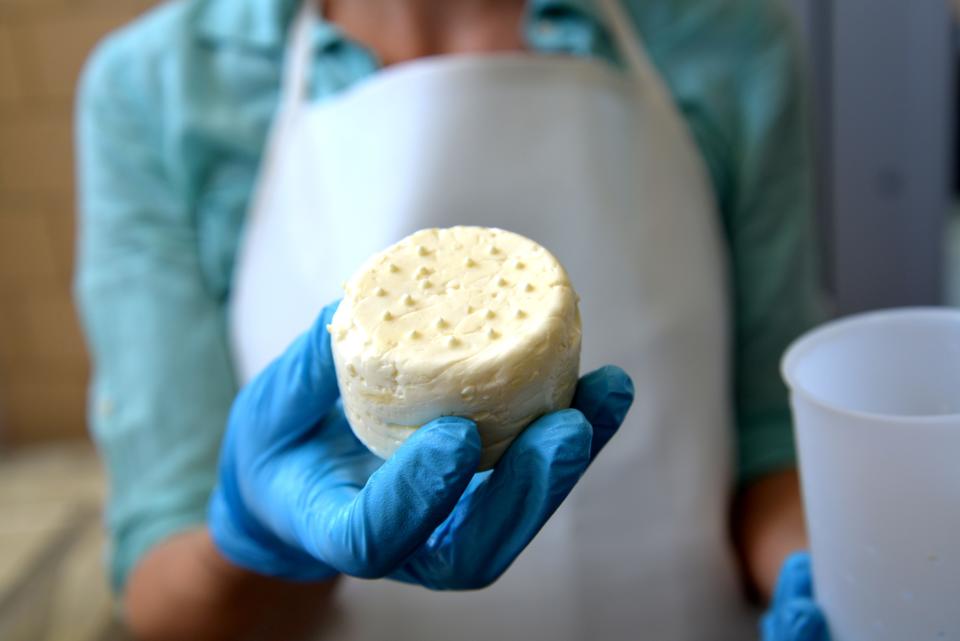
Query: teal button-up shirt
[(172, 115)]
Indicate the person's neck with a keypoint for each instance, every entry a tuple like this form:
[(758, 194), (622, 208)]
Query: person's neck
[(398, 30)]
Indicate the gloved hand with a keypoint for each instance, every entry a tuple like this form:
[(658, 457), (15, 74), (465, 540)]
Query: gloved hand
[(793, 615), (300, 497)]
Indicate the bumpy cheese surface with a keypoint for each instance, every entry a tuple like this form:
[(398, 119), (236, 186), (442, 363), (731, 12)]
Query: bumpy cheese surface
[(465, 321)]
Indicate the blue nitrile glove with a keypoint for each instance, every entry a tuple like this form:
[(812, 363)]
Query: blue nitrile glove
[(300, 497), (794, 615)]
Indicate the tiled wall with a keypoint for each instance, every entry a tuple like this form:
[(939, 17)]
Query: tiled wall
[(43, 367)]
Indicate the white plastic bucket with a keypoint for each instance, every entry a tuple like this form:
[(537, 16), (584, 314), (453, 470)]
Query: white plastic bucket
[(876, 403)]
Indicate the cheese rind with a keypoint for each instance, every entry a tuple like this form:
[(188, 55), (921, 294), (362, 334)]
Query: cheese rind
[(465, 321)]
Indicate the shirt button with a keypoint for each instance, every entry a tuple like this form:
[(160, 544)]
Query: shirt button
[(105, 408), (546, 28)]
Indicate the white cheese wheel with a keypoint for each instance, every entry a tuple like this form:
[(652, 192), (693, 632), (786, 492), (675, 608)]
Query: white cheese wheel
[(465, 321)]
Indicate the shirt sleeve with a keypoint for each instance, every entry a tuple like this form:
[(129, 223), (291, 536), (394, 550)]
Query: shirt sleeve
[(162, 376), (769, 218), (774, 257), (735, 69)]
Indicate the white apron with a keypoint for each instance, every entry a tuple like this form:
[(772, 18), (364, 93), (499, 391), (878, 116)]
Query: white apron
[(596, 164)]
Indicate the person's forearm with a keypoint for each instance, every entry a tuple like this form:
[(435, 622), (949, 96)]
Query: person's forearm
[(184, 589), (768, 525)]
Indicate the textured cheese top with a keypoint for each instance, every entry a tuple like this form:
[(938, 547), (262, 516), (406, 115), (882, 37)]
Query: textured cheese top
[(468, 321)]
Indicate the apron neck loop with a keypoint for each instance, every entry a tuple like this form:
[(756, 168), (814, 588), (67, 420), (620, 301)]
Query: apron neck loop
[(298, 56), (628, 42)]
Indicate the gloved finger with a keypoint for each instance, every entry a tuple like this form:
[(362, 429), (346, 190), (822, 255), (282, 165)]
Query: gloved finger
[(795, 580), (249, 545), (796, 620), (297, 389), (501, 514), (367, 533), (604, 396)]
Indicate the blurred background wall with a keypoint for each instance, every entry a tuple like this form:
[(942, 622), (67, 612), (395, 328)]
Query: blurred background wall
[(883, 72), (43, 368)]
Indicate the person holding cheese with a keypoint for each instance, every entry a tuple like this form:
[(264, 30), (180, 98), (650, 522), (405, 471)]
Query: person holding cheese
[(239, 159)]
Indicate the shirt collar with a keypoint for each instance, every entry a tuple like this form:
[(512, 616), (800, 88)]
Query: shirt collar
[(256, 23), (264, 23), (547, 8)]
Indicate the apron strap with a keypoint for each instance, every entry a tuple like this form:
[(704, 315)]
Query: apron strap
[(630, 44), (297, 59)]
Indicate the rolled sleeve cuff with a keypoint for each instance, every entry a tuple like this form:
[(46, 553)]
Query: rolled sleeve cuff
[(125, 551), (765, 445)]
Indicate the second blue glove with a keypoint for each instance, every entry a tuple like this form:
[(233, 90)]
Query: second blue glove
[(794, 615)]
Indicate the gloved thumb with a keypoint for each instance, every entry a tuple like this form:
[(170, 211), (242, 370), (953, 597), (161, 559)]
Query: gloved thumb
[(298, 388), (797, 620), (404, 500), (794, 614)]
